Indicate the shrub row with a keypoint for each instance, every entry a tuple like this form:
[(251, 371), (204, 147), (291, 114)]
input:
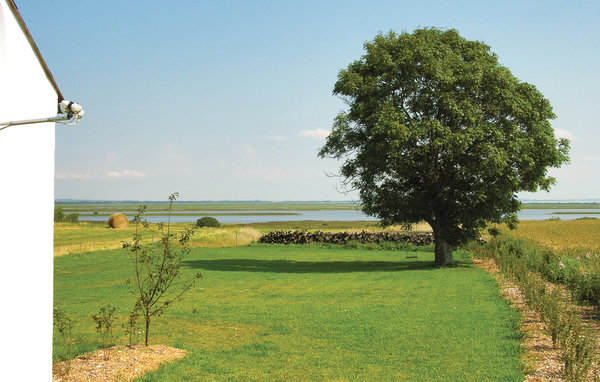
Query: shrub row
[(517, 261), (581, 274), (304, 237)]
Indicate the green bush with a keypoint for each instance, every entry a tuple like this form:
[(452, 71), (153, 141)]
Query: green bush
[(208, 221), (59, 216), (71, 218)]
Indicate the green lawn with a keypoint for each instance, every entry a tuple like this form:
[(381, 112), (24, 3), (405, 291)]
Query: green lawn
[(271, 312)]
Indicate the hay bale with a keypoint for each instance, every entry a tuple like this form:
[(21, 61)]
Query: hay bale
[(118, 221)]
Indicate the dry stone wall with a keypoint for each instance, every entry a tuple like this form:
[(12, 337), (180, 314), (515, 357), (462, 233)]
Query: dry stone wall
[(304, 237)]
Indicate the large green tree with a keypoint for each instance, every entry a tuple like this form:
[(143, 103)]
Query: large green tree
[(437, 130)]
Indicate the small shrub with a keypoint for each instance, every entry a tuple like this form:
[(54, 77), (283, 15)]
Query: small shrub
[(131, 325), (64, 323), (208, 221), (104, 323), (552, 310), (578, 349), (534, 290)]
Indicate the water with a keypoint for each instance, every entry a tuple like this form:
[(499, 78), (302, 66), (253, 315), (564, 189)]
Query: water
[(244, 217)]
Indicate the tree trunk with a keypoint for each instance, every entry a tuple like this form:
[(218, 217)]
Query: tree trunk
[(443, 250), (147, 329)]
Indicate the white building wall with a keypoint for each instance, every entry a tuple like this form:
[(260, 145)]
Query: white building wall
[(26, 198)]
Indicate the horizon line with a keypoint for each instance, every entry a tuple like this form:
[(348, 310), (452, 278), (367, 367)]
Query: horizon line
[(63, 200)]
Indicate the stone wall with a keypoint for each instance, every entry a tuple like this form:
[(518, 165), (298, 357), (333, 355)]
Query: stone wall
[(303, 237)]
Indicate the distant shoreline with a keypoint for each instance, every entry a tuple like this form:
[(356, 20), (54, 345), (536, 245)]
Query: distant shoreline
[(263, 207)]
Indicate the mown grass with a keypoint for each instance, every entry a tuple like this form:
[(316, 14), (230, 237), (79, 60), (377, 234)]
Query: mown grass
[(272, 312)]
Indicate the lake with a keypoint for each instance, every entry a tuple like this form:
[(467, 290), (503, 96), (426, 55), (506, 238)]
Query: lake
[(246, 217)]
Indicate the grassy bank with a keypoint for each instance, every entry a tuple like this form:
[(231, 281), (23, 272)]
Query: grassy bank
[(271, 312)]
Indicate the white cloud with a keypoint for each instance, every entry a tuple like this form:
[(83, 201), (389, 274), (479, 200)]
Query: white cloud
[(590, 157), (62, 175), (277, 138), (316, 134), (561, 133), (124, 174)]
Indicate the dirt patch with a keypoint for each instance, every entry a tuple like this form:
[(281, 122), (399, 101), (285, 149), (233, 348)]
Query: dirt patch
[(117, 363)]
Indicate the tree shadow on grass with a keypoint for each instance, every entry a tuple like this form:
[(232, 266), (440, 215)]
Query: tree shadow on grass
[(292, 266)]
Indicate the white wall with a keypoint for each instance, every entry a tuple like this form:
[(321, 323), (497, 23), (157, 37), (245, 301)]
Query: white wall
[(26, 201)]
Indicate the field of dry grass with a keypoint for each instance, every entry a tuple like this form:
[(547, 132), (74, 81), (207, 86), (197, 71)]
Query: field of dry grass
[(564, 236), (70, 238)]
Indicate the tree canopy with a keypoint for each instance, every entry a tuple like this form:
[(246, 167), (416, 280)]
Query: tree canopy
[(437, 130)]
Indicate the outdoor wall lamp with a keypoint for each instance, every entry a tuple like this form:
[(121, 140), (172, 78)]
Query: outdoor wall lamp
[(71, 113)]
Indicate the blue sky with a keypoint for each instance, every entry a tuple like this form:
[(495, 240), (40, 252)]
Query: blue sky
[(231, 99)]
